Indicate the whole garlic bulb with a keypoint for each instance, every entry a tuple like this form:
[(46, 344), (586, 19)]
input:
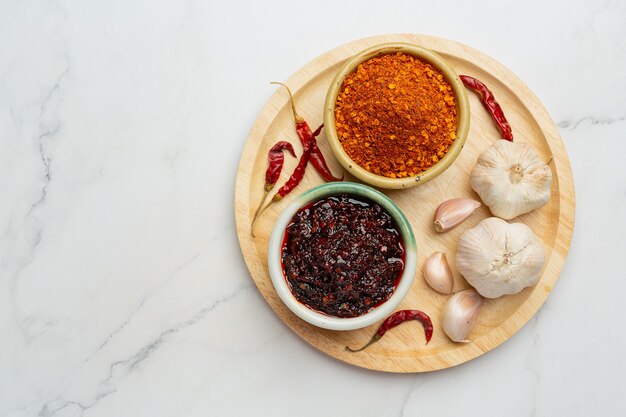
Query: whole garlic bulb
[(499, 258), (511, 179)]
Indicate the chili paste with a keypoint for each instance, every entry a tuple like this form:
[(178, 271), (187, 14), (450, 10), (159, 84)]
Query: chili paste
[(342, 255)]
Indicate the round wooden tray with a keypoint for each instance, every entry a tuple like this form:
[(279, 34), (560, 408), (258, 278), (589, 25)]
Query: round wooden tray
[(403, 349)]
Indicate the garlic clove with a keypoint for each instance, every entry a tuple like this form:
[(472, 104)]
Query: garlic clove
[(451, 213), (460, 314), (438, 274)]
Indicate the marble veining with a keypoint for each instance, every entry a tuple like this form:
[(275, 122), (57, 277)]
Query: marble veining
[(572, 125)]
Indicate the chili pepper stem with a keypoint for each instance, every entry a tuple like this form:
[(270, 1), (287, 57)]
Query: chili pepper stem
[(293, 106), (257, 215), (374, 339), (260, 211), (257, 212)]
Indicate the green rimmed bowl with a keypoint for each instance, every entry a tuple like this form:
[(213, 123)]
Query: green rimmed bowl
[(462, 109), (280, 282)]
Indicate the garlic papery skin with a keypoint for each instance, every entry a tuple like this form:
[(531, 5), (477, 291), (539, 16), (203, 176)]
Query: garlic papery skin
[(438, 274), (460, 314), (511, 179), (498, 258), (452, 212)]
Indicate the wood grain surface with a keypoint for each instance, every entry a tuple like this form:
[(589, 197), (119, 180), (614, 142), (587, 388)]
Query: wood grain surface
[(404, 348)]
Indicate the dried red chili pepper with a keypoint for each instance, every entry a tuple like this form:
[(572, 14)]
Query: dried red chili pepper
[(307, 136), (291, 183), (296, 176), (318, 130), (275, 160), (396, 319), (318, 161), (275, 163), (491, 104), (310, 152)]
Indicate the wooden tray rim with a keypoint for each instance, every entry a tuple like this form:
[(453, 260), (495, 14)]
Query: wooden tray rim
[(560, 164)]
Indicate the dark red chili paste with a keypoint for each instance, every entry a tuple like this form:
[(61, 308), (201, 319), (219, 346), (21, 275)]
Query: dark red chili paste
[(342, 255)]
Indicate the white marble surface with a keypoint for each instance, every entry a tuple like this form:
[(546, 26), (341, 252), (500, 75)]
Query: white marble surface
[(122, 287)]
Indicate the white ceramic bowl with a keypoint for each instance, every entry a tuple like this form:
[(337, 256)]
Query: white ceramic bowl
[(312, 316)]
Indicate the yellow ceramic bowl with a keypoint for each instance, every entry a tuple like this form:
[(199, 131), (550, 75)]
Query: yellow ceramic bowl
[(462, 108)]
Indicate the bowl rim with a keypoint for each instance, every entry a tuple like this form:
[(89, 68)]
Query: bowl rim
[(319, 319), (461, 102)]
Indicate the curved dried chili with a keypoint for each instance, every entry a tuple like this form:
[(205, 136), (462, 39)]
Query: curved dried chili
[(311, 152), (307, 137), (292, 182), (396, 319), (276, 161), (295, 177), (489, 100)]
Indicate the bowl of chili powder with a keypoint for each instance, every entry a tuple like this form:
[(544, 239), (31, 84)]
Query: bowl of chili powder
[(342, 256), (396, 115)]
